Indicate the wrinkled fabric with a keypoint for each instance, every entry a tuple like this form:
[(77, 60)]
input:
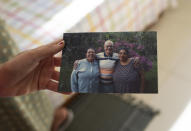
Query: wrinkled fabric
[(85, 79)]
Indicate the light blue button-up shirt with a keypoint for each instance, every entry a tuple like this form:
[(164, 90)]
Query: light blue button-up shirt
[(85, 78)]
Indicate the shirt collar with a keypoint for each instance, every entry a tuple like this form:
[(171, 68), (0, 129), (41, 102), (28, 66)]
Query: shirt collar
[(90, 62), (107, 56)]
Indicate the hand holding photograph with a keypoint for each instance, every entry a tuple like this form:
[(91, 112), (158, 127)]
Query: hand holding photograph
[(109, 62)]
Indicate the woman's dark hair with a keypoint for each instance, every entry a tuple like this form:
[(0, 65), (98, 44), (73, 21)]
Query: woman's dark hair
[(125, 49), (90, 48)]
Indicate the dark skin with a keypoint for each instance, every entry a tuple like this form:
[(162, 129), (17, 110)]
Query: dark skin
[(90, 55), (124, 60)]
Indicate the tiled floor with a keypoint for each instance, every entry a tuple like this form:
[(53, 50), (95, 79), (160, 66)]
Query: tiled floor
[(174, 73)]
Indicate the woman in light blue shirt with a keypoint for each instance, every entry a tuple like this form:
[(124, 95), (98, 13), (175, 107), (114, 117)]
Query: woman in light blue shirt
[(85, 78)]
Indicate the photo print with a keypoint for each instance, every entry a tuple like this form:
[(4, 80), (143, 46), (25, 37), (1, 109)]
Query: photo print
[(109, 62)]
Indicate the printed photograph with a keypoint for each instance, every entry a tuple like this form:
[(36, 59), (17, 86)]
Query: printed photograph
[(109, 62)]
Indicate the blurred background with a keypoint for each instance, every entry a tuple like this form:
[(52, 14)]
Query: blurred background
[(29, 24)]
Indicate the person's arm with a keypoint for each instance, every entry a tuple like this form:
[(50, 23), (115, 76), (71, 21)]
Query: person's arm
[(142, 75), (74, 81), (31, 70), (75, 64), (136, 61)]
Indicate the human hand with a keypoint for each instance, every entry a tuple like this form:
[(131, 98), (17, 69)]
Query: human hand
[(62, 119), (75, 64), (31, 70), (60, 115), (136, 61)]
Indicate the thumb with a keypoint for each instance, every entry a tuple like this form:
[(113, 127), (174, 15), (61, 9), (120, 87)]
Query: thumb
[(48, 50)]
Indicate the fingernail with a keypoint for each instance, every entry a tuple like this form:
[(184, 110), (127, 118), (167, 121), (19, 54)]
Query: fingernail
[(62, 42)]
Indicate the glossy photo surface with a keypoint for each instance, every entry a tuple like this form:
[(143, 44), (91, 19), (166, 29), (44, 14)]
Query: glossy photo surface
[(109, 62)]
